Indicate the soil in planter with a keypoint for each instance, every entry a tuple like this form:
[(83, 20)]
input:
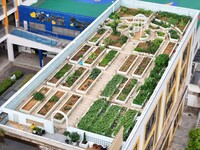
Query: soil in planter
[(128, 63), (67, 106), (169, 48), (81, 52), (86, 84), (141, 67), (72, 78), (33, 101), (94, 55), (96, 37), (45, 109), (116, 39)]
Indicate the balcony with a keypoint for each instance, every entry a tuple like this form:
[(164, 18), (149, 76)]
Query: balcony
[(2, 31), (10, 5), (1, 10)]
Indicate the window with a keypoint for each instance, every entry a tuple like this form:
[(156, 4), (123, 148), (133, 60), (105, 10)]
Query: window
[(150, 124), (182, 76), (150, 144), (36, 26), (64, 31), (185, 54), (169, 104), (171, 81)]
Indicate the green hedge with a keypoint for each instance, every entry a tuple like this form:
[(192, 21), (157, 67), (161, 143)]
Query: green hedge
[(18, 74), (6, 83)]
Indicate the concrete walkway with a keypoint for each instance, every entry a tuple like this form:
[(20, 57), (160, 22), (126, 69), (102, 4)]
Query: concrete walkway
[(188, 121)]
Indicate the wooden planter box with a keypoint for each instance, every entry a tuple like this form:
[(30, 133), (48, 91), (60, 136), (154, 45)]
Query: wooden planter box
[(59, 80), (169, 49), (146, 67), (75, 83), (52, 105), (33, 102), (77, 100), (80, 54), (128, 96), (96, 51), (84, 82), (99, 39), (127, 64), (104, 68)]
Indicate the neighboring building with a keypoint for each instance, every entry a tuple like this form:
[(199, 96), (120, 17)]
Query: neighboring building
[(193, 98), (155, 110)]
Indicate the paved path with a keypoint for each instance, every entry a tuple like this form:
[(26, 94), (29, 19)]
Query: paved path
[(188, 121)]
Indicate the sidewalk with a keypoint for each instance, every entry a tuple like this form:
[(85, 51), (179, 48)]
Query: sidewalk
[(188, 121)]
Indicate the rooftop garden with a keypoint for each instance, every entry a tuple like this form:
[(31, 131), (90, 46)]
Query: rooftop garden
[(106, 119)]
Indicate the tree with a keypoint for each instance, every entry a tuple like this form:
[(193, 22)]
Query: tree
[(2, 134), (194, 142), (114, 25)]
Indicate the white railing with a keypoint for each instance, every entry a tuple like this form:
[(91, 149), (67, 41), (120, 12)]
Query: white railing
[(38, 139)]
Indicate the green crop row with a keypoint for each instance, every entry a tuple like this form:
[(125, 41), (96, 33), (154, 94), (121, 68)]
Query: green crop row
[(111, 86), (127, 89), (62, 71), (108, 58), (99, 106), (127, 122)]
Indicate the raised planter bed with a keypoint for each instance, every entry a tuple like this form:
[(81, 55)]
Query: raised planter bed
[(73, 78), (107, 59), (51, 104), (112, 85), (142, 67), (154, 27), (160, 34), (122, 27), (180, 22), (89, 81), (58, 76), (137, 102), (173, 35), (93, 56), (163, 25), (149, 48), (98, 36), (126, 13), (84, 50), (68, 107), (169, 49), (126, 91), (32, 103), (116, 42), (127, 65)]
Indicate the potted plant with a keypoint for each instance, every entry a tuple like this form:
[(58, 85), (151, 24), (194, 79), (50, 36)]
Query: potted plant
[(74, 137), (67, 134), (84, 143)]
